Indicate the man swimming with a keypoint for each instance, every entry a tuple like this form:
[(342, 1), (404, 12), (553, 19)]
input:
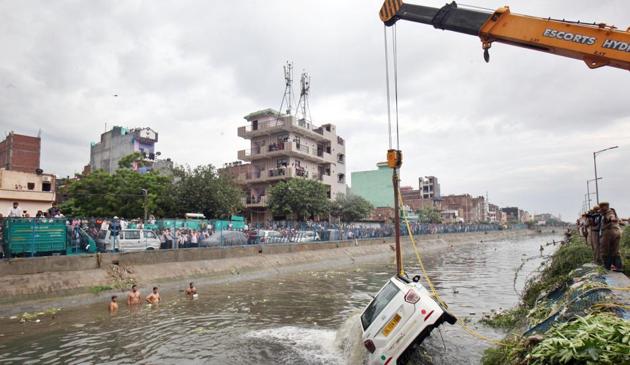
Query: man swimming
[(191, 290), (153, 298), (113, 305), (133, 298)]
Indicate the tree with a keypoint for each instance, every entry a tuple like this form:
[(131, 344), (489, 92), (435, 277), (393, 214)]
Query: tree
[(350, 208), (100, 194), (302, 198), (203, 190), (127, 162), (429, 215)]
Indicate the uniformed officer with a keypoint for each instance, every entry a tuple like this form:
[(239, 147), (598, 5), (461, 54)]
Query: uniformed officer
[(609, 240), (593, 227)]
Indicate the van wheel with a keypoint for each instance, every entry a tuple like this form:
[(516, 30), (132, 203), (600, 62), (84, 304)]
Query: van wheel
[(150, 249)]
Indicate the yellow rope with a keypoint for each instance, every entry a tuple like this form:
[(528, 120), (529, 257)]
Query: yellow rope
[(616, 288), (611, 305), (469, 330)]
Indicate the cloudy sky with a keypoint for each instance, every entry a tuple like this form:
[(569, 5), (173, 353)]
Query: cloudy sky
[(522, 128)]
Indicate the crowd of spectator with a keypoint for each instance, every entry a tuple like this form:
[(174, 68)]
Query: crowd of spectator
[(180, 235)]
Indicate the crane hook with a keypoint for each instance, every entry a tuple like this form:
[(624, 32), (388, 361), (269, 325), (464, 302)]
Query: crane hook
[(486, 44)]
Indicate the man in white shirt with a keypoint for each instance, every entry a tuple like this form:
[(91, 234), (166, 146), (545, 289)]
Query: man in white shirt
[(15, 211)]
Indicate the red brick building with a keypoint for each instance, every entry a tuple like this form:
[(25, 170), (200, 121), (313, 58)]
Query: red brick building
[(20, 153), (470, 209)]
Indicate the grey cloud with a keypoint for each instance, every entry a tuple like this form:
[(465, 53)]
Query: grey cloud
[(521, 127)]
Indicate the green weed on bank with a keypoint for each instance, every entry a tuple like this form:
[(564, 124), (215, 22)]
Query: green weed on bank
[(598, 338)]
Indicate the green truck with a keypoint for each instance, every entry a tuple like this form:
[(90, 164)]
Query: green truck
[(43, 236)]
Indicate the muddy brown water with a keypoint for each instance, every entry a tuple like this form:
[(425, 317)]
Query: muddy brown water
[(302, 318)]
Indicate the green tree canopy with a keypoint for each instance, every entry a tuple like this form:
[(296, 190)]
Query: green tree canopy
[(429, 215), (301, 198), (203, 190), (199, 190), (350, 208), (100, 194), (127, 161)]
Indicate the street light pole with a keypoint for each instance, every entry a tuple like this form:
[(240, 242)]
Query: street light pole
[(588, 190), (595, 166), (588, 193), (145, 192)]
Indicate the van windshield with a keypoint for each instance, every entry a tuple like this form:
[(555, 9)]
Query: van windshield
[(378, 304)]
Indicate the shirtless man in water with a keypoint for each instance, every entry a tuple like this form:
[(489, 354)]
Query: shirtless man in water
[(133, 298), (113, 305), (191, 290), (153, 298)]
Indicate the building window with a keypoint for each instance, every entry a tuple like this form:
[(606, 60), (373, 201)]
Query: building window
[(341, 158), (30, 186), (46, 186), (341, 178)]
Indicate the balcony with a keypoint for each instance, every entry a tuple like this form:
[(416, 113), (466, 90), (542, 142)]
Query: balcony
[(285, 123), (276, 174), (282, 149), (250, 155), (27, 195), (254, 201)]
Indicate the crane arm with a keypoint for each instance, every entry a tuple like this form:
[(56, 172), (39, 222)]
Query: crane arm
[(596, 44)]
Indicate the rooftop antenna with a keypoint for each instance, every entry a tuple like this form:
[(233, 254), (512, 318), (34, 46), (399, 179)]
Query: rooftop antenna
[(288, 88), (303, 107)]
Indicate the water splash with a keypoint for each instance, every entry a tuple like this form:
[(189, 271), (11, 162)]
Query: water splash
[(299, 345), (348, 340)]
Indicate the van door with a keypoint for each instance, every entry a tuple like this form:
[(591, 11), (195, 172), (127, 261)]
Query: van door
[(131, 241), (150, 240)]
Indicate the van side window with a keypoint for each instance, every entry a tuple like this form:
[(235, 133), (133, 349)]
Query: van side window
[(149, 234), (131, 235)]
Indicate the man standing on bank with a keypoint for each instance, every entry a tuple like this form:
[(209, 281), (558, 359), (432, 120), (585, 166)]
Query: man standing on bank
[(594, 222), (610, 237)]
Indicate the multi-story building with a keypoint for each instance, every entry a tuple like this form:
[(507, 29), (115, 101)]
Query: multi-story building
[(469, 209), (414, 200), (429, 187), (492, 213), (375, 186), (512, 214), (120, 142), (33, 191), (450, 216), (524, 216), (284, 147), (20, 153)]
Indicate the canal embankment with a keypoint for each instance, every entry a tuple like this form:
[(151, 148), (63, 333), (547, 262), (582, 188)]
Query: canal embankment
[(35, 284), (573, 312)]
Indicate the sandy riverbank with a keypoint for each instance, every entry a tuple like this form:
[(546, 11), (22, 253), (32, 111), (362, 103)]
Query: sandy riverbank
[(42, 290)]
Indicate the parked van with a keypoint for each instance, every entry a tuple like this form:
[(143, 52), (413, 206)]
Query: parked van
[(128, 240)]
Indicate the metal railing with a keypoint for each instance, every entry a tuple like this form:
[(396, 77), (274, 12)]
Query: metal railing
[(180, 233)]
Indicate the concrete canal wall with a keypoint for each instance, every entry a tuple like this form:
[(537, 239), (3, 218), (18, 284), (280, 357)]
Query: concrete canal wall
[(31, 279)]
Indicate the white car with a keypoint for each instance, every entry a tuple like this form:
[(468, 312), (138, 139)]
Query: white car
[(128, 240), (267, 236), (305, 236), (400, 317)]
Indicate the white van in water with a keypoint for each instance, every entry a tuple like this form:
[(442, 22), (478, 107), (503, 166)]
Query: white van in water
[(128, 240), (400, 317)]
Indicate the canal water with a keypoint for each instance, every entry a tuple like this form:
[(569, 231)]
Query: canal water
[(302, 318)]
